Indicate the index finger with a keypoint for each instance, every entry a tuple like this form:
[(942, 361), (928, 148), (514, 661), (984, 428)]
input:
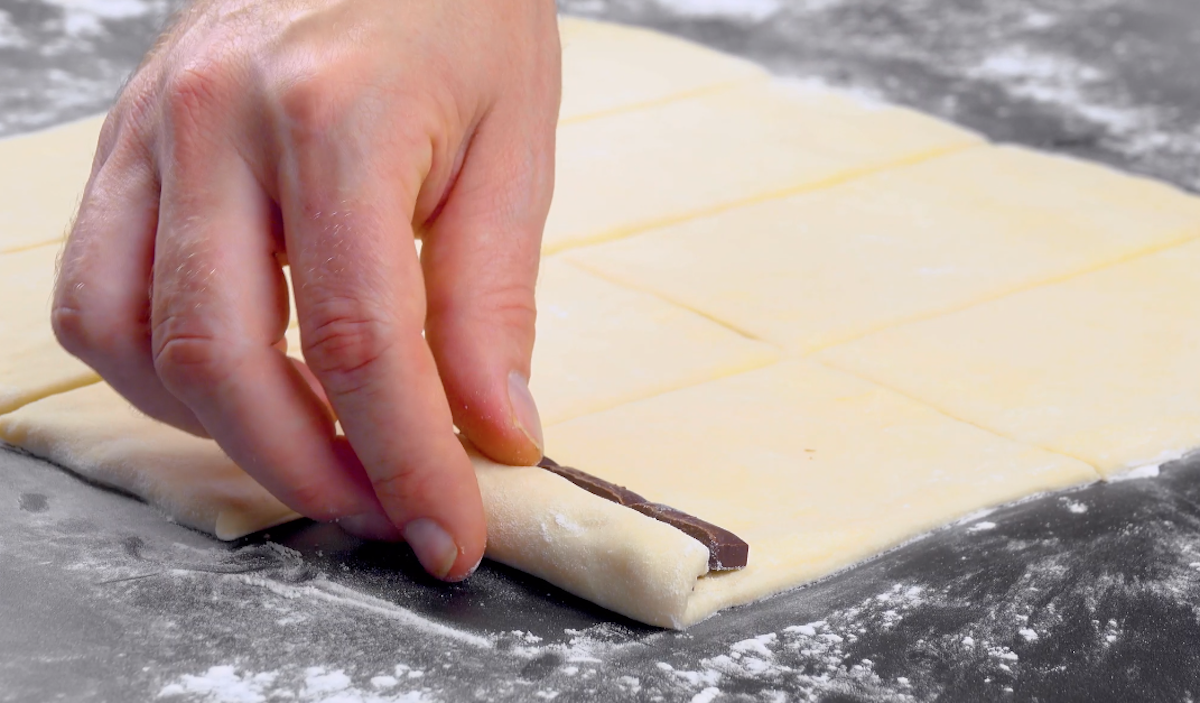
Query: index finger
[(361, 305)]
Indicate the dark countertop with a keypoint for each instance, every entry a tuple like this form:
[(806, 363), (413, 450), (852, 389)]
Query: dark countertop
[(1091, 596)]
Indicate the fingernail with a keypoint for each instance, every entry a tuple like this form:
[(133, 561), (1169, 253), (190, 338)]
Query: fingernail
[(467, 575), (525, 409), (433, 546), (370, 526)]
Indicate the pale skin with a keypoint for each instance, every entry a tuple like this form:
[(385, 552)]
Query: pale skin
[(327, 134)]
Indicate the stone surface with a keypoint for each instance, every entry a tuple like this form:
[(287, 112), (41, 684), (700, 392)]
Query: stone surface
[(1088, 596)]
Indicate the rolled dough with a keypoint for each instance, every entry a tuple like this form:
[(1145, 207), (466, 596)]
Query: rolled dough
[(823, 324)]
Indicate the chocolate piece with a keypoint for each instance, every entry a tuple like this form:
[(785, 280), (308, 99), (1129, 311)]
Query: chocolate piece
[(726, 551), (592, 484)]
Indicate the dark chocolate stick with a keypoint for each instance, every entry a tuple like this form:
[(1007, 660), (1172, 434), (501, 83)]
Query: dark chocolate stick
[(591, 484), (726, 551)]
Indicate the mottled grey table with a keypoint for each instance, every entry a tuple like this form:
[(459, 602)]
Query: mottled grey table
[(1089, 596)]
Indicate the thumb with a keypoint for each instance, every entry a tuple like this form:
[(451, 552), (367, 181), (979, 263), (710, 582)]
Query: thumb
[(480, 261)]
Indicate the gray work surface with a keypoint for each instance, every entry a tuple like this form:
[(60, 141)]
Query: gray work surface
[(1088, 596)]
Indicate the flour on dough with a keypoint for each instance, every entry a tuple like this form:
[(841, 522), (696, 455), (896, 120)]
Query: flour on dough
[(32, 364)]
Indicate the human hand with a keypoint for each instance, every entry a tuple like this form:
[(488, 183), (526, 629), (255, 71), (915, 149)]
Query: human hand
[(327, 134)]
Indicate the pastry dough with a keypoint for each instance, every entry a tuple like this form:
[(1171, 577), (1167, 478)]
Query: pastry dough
[(42, 176), (814, 468), (605, 68), (634, 170), (999, 322), (600, 345), (826, 267), (94, 432), (32, 364), (1104, 367)]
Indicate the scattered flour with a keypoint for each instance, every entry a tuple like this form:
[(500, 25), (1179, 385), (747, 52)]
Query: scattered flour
[(225, 684)]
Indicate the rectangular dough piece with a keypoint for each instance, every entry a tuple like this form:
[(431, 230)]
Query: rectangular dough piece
[(41, 180), (814, 468), (1104, 366), (626, 172), (825, 267), (600, 345), (608, 67), (97, 434), (32, 364)]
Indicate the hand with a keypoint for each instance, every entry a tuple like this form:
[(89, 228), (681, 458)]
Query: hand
[(327, 134)]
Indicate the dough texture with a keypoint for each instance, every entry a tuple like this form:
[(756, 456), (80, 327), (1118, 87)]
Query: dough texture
[(825, 267), (638, 169), (824, 324), (42, 177), (32, 364), (1104, 366), (600, 345), (95, 433)]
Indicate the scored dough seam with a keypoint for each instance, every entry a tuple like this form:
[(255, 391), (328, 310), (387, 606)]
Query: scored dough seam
[(665, 100), (669, 301), (627, 231), (945, 412), (58, 241), (1052, 281)]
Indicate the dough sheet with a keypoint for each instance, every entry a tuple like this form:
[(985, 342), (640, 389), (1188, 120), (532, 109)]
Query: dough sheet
[(32, 364), (42, 177), (825, 267), (826, 325), (1104, 366), (638, 169)]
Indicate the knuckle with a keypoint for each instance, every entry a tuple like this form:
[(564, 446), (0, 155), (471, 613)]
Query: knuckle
[(71, 327), (343, 342), (311, 103), (186, 357), (402, 486), (83, 322), (195, 91)]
